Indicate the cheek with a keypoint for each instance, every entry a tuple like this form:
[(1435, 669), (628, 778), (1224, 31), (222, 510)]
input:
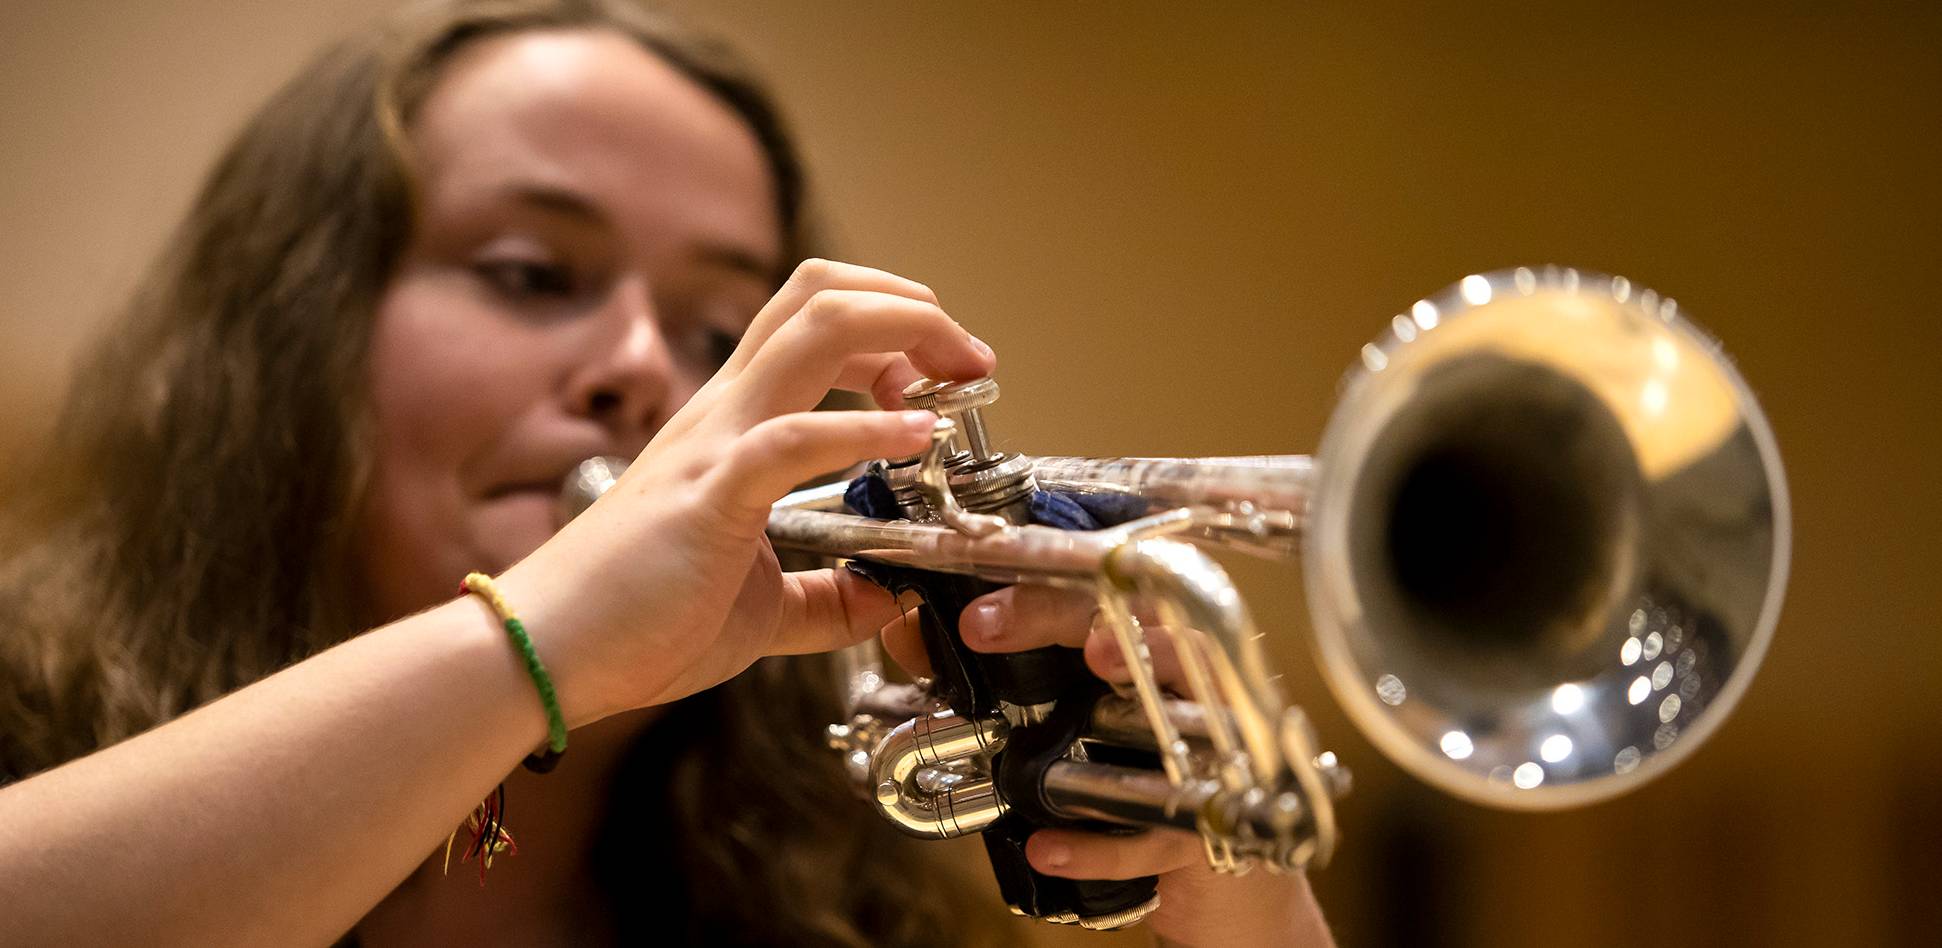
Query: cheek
[(446, 381), (435, 378)]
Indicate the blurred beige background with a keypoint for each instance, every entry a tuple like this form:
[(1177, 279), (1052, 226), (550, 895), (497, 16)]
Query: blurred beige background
[(1177, 224)]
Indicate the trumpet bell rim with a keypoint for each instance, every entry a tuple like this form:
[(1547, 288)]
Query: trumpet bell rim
[(1697, 559)]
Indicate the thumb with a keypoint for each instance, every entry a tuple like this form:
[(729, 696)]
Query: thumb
[(827, 609)]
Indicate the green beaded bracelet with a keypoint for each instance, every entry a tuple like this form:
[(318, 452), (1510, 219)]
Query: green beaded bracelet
[(543, 760)]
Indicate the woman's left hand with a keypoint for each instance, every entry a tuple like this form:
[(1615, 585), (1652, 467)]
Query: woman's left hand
[(1197, 904)]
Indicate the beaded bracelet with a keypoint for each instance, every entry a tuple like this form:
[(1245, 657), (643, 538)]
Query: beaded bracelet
[(543, 760)]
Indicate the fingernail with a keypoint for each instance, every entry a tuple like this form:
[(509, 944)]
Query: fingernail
[(987, 622), (979, 344), (1054, 855), (919, 420)]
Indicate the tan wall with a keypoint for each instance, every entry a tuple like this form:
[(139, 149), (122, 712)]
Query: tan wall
[(1178, 225)]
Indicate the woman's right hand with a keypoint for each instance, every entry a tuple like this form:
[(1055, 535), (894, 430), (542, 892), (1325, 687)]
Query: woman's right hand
[(667, 585)]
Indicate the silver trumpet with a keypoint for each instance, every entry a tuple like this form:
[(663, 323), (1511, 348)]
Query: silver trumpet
[(1545, 541)]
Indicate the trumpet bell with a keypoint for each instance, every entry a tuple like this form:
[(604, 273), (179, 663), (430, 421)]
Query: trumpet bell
[(1548, 538)]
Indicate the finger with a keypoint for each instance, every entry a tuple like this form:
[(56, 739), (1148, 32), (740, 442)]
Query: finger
[(883, 375), (905, 644), (810, 277), (827, 609), (1018, 618), (1106, 660), (770, 459), (813, 352), (1073, 854)]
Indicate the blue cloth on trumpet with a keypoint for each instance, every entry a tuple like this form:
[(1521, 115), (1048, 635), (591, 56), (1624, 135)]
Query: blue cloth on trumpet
[(870, 496), (1084, 511)]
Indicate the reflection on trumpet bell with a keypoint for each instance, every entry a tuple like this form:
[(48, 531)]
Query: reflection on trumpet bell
[(1544, 541), (1531, 472)]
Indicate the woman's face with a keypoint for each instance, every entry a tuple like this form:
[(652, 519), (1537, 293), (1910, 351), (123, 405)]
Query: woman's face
[(594, 233)]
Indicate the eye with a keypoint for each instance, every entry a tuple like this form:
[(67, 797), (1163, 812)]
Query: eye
[(720, 346), (528, 279)]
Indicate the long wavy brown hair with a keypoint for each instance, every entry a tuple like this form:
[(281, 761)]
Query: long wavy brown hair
[(186, 533)]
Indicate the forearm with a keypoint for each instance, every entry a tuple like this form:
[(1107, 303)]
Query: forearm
[(282, 812)]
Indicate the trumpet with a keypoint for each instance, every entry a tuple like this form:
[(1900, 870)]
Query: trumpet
[(1544, 543)]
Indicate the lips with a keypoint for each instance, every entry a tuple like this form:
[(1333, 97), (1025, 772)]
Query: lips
[(527, 503), (534, 465), (548, 488), (544, 476), (535, 492)]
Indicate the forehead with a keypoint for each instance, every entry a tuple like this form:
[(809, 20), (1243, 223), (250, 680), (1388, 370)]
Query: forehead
[(592, 113)]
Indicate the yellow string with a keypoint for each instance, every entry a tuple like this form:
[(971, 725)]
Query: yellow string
[(482, 586)]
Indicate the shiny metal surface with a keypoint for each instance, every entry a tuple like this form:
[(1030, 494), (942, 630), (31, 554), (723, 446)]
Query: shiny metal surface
[(1267, 482), (911, 795), (933, 484), (1548, 540), (960, 403), (1118, 920)]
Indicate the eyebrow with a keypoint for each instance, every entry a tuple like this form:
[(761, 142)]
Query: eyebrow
[(571, 203), (560, 201), (737, 258)]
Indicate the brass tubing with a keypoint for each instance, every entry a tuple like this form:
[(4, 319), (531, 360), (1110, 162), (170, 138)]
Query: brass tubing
[(1131, 795), (929, 741), (1269, 482)]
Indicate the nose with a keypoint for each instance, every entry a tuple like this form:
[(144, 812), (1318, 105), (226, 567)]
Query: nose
[(625, 376)]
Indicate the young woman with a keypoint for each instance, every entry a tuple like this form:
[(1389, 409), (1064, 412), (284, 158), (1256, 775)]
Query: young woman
[(454, 257)]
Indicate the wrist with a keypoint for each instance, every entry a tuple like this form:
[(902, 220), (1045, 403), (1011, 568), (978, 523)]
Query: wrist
[(1269, 910), (469, 645), (562, 634)]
